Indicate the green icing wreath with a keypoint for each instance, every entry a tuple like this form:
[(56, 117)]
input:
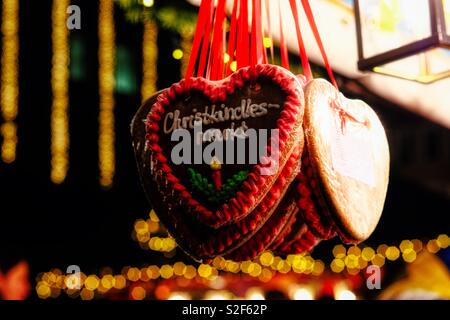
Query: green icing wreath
[(204, 187)]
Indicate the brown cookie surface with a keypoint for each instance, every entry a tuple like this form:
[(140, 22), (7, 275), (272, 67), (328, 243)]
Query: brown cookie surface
[(349, 152)]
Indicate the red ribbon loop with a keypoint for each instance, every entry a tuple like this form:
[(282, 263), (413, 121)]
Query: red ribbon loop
[(232, 37), (283, 47), (203, 16), (315, 30), (301, 45), (242, 55), (216, 55)]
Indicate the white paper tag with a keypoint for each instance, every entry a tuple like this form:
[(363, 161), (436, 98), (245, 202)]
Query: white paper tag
[(351, 153)]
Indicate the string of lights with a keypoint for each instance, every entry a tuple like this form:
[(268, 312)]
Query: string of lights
[(263, 269), (186, 46), (9, 78), (150, 59), (349, 260), (60, 88), (106, 55), (151, 235)]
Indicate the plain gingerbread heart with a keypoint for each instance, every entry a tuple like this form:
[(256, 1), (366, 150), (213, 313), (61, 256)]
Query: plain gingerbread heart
[(349, 153)]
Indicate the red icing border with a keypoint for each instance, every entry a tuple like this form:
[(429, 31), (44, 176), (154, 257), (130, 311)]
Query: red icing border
[(245, 199), (220, 241), (265, 236), (223, 240), (311, 202), (305, 244)]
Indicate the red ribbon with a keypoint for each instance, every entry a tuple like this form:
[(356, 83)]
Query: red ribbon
[(232, 37), (216, 55), (283, 47), (257, 40), (315, 30), (269, 32), (251, 50), (301, 45), (204, 14), (205, 45), (242, 55)]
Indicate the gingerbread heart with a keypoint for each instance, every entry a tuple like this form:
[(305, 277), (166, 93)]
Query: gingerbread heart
[(207, 222), (248, 237), (345, 169)]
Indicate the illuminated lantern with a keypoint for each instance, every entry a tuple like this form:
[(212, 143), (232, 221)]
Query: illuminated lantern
[(409, 39)]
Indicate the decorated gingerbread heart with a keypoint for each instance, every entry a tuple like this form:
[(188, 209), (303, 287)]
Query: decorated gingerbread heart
[(345, 167), (212, 200)]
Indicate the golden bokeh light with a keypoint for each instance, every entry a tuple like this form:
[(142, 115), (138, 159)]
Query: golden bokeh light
[(266, 259), (138, 293), (106, 74), (433, 246), (367, 253), (87, 294), (443, 241), (120, 282), (91, 282), (354, 250), (339, 251), (337, 265), (59, 119), (409, 255), (166, 271), (186, 48), (148, 3), (392, 253), (149, 59), (354, 259), (9, 81), (378, 260), (177, 54)]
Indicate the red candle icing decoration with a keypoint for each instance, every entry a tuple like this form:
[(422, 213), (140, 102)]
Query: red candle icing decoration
[(283, 46), (216, 174)]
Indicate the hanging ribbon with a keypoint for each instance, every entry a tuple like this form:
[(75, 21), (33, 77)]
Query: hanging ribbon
[(242, 55), (257, 40), (315, 30), (232, 37), (269, 32), (252, 50), (205, 45), (301, 45), (283, 47), (262, 24), (203, 16), (216, 55)]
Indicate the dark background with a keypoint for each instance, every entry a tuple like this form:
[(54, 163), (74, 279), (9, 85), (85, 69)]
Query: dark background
[(80, 223)]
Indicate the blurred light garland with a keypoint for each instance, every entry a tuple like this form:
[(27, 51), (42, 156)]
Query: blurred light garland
[(150, 59), (177, 16), (352, 259), (60, 88), (106, 55), (186, 46), (9, 78)]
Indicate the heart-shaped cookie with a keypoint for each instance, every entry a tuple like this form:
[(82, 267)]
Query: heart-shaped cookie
[(264, 97), (345, 169)]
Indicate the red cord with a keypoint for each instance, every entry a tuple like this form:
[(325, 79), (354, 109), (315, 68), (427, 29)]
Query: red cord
[(315, 30), (301, 45)]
